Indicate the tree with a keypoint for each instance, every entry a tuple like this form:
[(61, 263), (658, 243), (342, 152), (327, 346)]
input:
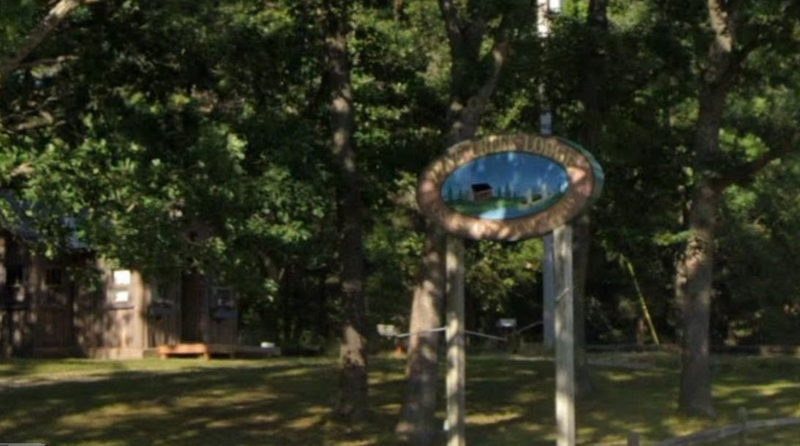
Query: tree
[(736, 32), (60, 11), (594, 103), (169, 150), (353, 354), (473, 78)]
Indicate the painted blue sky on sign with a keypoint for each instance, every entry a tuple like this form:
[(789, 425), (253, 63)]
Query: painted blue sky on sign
[(505, 185)]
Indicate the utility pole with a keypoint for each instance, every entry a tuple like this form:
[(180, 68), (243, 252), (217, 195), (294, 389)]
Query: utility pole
[(544, 10), (558, 317)]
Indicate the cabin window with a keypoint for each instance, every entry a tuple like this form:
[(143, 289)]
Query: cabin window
[(15, 275), (15, 283), (162, 294), (223, 304), (119, 294), (223, 297), (53, 277), (54, 287), (122, 277), (162, 300), (122, 296)]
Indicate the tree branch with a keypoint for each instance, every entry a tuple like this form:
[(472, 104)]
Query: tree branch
[(42, 120), (48, 61), (781, 142), (499, 54), (731, 32), (451, 21), (22, 169), (57, 14)]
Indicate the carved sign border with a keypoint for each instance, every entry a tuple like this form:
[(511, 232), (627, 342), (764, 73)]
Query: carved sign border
[(585, 184)]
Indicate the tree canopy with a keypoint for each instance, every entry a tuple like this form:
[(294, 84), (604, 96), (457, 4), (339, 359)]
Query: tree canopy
[(197, 135)]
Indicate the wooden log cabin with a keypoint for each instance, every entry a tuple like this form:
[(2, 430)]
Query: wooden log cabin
[(44, 312), (36, 302)]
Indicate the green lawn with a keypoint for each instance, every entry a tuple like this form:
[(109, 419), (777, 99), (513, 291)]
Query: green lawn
[(516, 206), (287, 401)]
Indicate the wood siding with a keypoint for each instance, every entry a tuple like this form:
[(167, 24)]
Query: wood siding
[(43, 312)]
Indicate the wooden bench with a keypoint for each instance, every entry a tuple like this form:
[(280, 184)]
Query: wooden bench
[(207, 350)]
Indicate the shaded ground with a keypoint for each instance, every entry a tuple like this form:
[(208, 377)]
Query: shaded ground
[(287, 401)]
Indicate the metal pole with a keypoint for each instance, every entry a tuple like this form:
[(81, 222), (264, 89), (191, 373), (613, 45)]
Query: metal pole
[(565, 342), (455, 333)]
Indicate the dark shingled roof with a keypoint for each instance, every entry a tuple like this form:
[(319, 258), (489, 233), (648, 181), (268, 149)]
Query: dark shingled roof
[(15, 217)]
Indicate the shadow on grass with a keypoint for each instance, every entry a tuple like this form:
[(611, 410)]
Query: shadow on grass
[(288, 402), (211, 406), (26, 367), (511, 402)]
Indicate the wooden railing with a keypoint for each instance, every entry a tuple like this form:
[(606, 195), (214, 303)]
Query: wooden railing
[(739, 430)]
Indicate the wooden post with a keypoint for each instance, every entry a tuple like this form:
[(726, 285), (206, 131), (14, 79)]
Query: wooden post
[(743, 421), (456, 358), (549, 294), (565, 345), (633, 439)]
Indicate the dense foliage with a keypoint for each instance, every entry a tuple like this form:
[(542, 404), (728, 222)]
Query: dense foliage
[(194, 134)]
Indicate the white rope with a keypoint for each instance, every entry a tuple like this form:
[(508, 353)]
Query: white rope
[(432, 330)]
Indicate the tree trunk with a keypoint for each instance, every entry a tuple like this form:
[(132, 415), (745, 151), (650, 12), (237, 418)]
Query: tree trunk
[(695, 270), (594, 111), (469, 96), (352, 402), (54, 17), (593, 77), (580, 252), (468, 100), (694, 289), (418, 425)]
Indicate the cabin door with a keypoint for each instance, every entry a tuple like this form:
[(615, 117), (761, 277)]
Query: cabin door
[(193, 303)]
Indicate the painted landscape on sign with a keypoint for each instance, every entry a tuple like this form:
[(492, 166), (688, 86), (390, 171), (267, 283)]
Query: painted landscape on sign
[(505, 185)]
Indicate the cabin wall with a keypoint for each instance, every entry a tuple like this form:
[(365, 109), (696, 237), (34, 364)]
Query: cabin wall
[(163, 325), (221, 313), (209, 311), (223, 331), (129, 328), (113, 318), (51, 315), (90, 321), (35, 302), (194, 308), (15, 331), (44, 313)]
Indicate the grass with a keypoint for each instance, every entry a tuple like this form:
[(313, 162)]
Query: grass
[(286, 401), (516, 207)]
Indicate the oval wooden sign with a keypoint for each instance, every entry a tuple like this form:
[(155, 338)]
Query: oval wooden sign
[(509, 187)]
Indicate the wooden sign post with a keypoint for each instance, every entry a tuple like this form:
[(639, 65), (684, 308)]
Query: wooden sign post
[(565, 342), (510, 188), (455, 335), (548, 292)]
